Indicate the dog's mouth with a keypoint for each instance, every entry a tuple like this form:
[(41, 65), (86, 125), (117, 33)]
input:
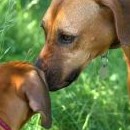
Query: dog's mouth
[(53, 76), (66, 82)]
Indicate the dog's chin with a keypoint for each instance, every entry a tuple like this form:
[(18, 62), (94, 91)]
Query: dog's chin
[(66, 82), (59, 86)]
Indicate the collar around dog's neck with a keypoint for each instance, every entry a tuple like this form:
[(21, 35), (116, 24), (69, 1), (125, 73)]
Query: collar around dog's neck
[(4, 125)]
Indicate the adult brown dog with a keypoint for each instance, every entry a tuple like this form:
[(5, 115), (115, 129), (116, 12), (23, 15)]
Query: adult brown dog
[(78, 31), (23, 91)]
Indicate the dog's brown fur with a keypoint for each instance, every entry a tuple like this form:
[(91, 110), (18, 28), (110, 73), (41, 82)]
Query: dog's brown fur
[(97, 25), (127, 55), (22, 93)]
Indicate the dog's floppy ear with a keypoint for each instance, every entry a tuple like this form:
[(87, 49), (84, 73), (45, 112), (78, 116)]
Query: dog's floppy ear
[(121, 12), (37, 94)]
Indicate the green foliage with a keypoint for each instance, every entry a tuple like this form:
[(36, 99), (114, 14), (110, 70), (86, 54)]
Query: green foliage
[(20, 32), (91, 103), (33, 123)]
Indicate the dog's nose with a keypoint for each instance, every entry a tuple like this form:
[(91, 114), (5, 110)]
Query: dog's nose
[(39, 63)]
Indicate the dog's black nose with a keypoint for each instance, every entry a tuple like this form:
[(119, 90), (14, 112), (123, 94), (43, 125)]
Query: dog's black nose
[(38, 63)]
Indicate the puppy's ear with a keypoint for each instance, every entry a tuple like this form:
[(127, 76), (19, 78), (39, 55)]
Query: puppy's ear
[(121, 12), (37, 94)]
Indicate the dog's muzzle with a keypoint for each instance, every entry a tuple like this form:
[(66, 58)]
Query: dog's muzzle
[(53, 76)]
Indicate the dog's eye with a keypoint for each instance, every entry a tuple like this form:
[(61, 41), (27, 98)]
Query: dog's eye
[(65, 39)]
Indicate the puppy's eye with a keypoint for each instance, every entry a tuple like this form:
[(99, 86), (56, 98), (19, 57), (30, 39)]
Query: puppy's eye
[(66, 39)]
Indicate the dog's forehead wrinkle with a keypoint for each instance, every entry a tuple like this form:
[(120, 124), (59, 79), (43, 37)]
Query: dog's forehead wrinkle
[(69, 29), (70, 21)]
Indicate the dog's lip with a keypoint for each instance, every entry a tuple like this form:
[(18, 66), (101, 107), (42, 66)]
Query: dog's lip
[(59, 86), (67, 81)]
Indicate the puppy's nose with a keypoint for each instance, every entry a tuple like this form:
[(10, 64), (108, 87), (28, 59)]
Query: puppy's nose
[(39, 63)]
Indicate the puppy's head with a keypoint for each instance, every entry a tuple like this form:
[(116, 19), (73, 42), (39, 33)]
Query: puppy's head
[(28, 83), (78, 31)]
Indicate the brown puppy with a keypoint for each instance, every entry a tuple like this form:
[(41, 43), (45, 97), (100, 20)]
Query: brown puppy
[(23, 91), (77, 31)]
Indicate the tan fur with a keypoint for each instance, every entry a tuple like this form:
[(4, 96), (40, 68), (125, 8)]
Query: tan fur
[(97, 25), (20, 85)]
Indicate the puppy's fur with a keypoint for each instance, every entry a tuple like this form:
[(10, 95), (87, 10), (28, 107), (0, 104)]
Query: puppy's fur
[(23, 91)]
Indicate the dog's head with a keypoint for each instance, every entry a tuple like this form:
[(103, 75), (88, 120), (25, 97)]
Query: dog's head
[(78, 31)]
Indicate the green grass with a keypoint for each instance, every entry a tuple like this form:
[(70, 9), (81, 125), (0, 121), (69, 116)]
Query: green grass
[(33, 123), (90, 103)]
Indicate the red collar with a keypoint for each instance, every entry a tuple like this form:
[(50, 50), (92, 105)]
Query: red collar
[(4, 125)]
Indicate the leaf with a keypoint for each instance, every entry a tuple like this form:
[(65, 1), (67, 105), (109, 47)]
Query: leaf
[(34, 123)]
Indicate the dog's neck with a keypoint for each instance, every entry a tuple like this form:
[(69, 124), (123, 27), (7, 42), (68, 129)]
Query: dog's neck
[(4, 125), (14, 118)]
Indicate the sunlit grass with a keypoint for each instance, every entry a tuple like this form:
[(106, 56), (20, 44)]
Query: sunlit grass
[(33, 123), (92, 103)]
